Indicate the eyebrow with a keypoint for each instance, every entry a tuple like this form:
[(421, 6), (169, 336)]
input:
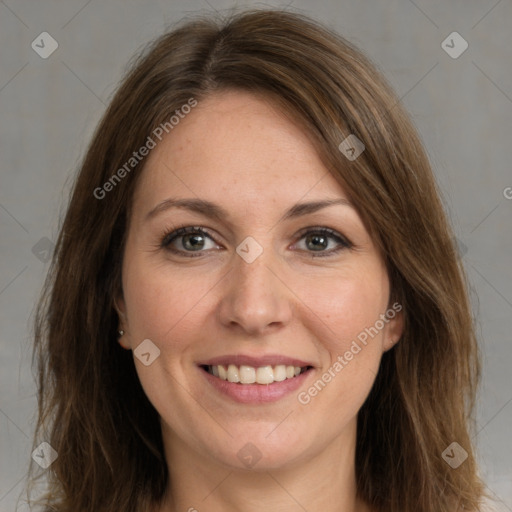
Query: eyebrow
[(215, 211)]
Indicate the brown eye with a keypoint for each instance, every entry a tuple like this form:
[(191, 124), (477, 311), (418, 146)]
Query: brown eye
[(319, 239), (189, 239), (316, 242)]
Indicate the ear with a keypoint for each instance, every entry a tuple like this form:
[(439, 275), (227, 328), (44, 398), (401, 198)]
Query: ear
[(120, 307), (394, 327)]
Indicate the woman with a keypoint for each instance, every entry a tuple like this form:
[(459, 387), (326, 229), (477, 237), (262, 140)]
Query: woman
[(255, 300)]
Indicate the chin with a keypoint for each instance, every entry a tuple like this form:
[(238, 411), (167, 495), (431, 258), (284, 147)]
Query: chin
[(259, 453)]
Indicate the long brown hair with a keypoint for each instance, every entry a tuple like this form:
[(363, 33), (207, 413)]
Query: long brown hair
[(92, 409)]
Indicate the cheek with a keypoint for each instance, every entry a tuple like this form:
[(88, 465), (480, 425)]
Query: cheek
[(353, 319), (344, 306), (344, 318), (344, 312), (159, 302)]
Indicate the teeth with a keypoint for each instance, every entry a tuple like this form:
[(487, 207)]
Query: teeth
[(250, 375), (233, 374), (279, 372), (265, 375), (247, 374), (223, 374)]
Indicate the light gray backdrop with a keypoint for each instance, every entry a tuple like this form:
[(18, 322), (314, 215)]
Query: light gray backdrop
[(462, 107)]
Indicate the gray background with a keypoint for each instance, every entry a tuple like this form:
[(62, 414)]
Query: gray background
[(462, 108)]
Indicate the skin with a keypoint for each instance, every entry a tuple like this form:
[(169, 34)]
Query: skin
[(238, 151)]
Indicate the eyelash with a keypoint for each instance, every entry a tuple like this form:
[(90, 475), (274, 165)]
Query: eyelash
[(171, 236)]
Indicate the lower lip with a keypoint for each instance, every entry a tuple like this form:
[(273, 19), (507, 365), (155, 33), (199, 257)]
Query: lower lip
[(256, 393)]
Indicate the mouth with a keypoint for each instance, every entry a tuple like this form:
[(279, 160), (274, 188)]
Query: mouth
[(255, 379), (264, 375)]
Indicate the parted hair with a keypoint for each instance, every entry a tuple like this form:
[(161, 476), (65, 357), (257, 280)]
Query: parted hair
[(92, 409)]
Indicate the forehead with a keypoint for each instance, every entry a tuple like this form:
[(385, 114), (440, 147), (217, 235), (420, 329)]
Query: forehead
[(236, 147)]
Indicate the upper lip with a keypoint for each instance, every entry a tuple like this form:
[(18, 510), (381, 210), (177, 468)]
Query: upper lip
[(256, 362)]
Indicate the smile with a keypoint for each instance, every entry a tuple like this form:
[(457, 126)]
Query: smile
[(245, 374)]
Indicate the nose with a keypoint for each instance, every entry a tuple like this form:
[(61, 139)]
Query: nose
[(255, 299)]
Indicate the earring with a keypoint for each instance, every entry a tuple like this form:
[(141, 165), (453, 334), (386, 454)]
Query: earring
[(120, 332)]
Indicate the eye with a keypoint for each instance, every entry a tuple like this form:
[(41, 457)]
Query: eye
[(319, 239), (194, 239), (187, 239)]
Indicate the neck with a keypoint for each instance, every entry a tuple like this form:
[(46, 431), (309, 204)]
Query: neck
[(325, 482)]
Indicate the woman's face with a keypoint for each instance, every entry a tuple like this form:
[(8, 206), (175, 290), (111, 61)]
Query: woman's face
[(251, 288)]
